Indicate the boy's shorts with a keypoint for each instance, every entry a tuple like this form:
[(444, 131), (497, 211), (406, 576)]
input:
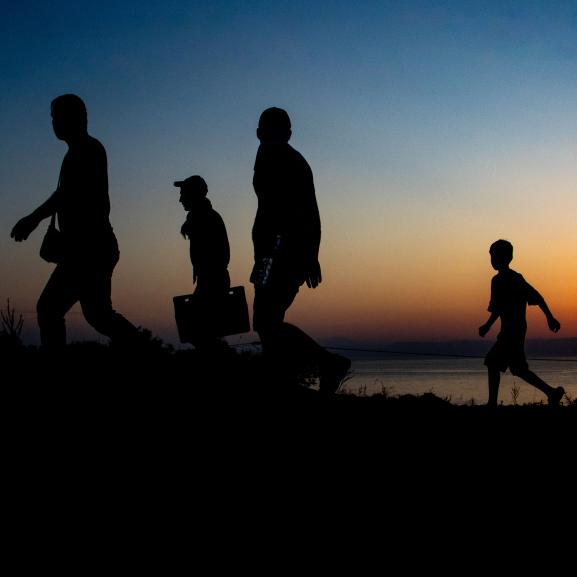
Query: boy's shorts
[(507, 354)]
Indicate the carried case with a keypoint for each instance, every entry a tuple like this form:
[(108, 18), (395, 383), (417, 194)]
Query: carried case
[(219, 317)]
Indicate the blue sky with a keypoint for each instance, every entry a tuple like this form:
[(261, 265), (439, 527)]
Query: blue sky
[(430, 127)]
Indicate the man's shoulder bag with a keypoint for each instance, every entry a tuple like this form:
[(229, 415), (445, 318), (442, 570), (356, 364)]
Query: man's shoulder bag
[(52, 247)]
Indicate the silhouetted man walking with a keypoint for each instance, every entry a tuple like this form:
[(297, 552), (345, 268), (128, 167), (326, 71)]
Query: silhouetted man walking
[(286, 236), (209, 256), (90, 250)]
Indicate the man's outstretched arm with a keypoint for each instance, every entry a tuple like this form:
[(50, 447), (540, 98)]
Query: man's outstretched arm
[(26, 225)]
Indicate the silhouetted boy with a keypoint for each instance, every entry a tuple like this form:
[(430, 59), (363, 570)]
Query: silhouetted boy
[(286, 236), (209, 253), (510, 295), (90, 252)]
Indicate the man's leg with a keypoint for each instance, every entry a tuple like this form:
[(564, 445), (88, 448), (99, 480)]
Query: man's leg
[(96, 303), (280, 342), (289, 347), (269, 308), (57, 298)]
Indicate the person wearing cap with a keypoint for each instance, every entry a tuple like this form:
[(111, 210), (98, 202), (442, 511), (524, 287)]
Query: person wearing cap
[(90, 250), (286, 236), (209, 249)]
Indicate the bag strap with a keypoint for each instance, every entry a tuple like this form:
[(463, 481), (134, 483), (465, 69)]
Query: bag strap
[(53, 217)]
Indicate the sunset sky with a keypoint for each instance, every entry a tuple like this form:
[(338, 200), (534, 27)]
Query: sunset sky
[(433, 128)]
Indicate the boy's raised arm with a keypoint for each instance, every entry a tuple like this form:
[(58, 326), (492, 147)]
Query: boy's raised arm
[(553, 323), (536, 298)]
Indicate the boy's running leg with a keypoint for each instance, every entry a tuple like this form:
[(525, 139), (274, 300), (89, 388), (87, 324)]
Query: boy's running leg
[(494, 381)]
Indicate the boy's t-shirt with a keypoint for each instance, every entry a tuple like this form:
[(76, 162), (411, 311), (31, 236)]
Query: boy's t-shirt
[(510, 295)]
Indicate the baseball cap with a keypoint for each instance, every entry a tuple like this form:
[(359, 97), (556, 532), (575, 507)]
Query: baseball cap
[(194, 183)]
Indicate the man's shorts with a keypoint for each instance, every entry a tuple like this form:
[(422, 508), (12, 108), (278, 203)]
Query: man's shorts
[(271, 304), (508, 354)]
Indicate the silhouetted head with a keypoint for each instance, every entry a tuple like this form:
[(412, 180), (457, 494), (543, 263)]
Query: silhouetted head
[(192, 189), (274, 125), (501, 252), (69, 117)]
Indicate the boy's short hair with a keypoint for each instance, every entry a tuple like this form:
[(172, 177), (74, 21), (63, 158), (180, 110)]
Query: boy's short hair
[(502, 249)]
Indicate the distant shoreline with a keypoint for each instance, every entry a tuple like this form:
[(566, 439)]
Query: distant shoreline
[(564, 347)]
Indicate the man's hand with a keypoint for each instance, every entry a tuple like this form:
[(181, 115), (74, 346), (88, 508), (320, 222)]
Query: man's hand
[(23, 228), (314, 277), (554, 324), (483, 330)]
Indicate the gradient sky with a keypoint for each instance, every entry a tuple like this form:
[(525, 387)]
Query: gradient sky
[(432, 128)]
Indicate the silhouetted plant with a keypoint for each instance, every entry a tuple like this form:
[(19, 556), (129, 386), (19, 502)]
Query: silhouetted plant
[(362, 391), (570, 400), (515, 393), (11, 326), (154, 343)]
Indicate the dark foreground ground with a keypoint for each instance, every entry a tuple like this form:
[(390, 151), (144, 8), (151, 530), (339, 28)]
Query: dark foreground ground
[(155, 390), (141, 455)]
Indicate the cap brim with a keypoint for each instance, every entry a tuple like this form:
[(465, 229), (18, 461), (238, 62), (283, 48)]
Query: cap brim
[(178, 182)]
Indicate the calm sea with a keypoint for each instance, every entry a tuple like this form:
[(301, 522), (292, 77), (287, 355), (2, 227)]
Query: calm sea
[(460, 380)]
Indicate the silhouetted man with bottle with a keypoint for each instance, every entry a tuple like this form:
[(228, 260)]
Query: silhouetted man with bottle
[(90, 250), (286, 236), (209, 255)]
